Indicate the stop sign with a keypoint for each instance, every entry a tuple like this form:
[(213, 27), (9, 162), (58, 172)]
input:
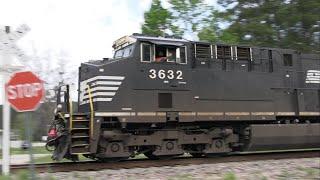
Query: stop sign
[(24, 91)]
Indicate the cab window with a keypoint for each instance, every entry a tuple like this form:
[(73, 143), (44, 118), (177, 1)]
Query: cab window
[(146, 52), (123, 52), (171, 54), (163, 53)]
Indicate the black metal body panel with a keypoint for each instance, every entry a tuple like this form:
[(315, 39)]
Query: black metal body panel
[(284, 136), (258, 89)]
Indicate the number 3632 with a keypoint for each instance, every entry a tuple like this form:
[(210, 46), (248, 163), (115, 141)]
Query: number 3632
[(163, 74)]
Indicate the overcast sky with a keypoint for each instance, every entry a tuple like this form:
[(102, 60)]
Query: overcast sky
[(82, 30)]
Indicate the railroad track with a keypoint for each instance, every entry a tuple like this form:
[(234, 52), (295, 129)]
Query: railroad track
[(182, 161)]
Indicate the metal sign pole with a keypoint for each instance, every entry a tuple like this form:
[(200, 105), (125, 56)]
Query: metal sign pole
[(6, 125), (29, 139)]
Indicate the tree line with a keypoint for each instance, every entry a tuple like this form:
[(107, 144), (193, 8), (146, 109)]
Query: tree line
[(293, 24)]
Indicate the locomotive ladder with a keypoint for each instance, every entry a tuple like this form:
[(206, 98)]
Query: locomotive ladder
[(81, 129), (79, 133)]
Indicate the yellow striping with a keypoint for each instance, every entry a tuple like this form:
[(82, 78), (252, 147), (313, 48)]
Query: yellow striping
[(262, 113), (210, 113), (237, 113), (286, 113), (187, 113), (309, 113), (91, 109), (161, 114), (146, 114)]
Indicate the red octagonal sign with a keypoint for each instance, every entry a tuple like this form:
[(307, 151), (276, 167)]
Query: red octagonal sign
[(24, 91)]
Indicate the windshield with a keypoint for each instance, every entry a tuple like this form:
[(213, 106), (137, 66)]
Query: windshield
[(123, 52)]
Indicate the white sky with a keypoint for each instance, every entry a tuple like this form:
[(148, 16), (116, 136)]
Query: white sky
[(81, 29)]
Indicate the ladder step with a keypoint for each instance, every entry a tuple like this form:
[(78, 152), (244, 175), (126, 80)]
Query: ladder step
[(80, 133), (79, 153), (79, 117), (79, 136), (79, 145), (80, 129), (80, 120), (79, 150)]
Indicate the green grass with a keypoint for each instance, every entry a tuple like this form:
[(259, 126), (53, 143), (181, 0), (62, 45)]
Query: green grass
[(229, 176), (35, 150), (47, 159), (181, 177), (310, 172)]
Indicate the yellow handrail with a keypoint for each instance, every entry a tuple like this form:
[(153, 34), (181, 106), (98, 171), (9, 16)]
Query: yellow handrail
[(91, 111), (62, 117)]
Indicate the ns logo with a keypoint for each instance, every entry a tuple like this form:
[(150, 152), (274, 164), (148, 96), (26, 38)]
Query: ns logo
[(313, 76)]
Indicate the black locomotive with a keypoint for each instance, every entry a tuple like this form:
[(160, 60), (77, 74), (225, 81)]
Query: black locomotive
[(165, 96)]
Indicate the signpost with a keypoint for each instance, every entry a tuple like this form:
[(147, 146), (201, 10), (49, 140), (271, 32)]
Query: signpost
[(24, 92), (8, 49)]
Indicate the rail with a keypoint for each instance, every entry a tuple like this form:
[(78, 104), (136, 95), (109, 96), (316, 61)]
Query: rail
[(181, 161)]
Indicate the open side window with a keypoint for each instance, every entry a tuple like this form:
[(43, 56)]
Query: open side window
[(162, 53), (169, 53)]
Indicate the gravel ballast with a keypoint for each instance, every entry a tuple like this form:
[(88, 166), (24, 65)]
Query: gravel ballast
[(305, 168)]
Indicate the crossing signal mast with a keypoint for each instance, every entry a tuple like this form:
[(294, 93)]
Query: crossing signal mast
[(8, 50)]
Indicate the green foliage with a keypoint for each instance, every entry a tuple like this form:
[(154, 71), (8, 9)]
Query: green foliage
[(38, 122), (19, 123), (157, 20), (289, 24), (293, 24), (5, 177), (229, 176), (23, 175), (191, 16), (210, 30)]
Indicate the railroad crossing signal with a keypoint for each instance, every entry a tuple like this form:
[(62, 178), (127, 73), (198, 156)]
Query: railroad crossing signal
[(25, 91), (8, 40), (8, 49)]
